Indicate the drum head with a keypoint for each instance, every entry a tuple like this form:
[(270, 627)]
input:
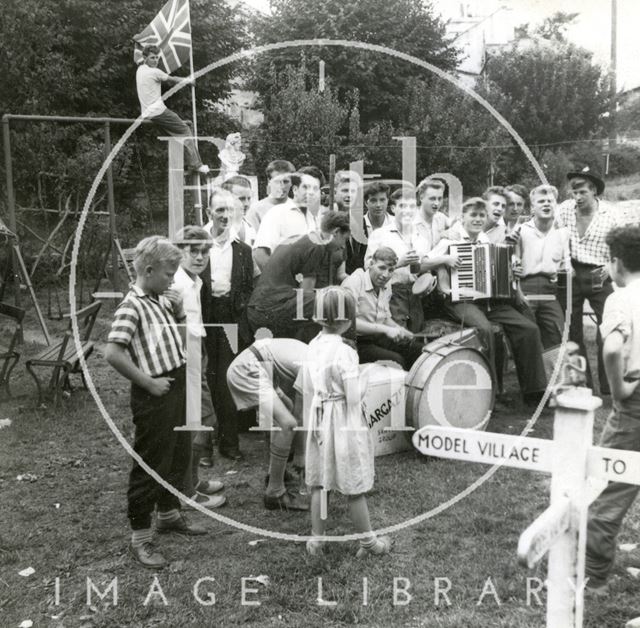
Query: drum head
[(451, 386)]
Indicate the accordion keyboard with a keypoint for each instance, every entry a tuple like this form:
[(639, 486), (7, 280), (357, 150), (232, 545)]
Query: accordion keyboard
[(462, 278)]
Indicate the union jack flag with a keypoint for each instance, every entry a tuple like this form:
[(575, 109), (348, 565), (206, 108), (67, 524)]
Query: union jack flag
[(170, 30)]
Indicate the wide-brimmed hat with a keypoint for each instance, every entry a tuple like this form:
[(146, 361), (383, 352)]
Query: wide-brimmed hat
[(591, 175)]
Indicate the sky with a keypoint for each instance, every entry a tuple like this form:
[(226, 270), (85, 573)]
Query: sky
[(592, 28)]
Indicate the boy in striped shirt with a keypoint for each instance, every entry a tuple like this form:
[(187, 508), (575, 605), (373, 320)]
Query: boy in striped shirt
[(145, 346)]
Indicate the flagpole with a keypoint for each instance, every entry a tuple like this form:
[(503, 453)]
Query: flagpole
[(193, 95), (194, 115)]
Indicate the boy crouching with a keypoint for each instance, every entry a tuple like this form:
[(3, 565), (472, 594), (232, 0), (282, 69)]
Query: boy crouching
[(145, 346)]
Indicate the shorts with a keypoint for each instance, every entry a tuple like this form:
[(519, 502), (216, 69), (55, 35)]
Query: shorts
[(248, 381)]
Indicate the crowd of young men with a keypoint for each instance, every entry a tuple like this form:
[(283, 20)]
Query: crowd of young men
[(269, 257)]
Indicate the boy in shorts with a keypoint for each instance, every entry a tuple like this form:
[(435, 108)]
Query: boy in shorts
[(264, 375), (620, 331), (145, 346)]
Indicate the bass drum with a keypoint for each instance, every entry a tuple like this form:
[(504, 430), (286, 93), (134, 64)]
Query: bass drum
[(450, 385)]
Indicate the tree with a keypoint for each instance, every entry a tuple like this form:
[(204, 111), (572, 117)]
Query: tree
[(302, 124), (454, 133), (75, 57), (409, 26), (551, 93)]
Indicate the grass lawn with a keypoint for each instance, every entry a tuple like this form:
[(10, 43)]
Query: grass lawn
[(70, 524)]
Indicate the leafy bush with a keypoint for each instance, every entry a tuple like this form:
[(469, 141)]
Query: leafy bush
[(624, 160)]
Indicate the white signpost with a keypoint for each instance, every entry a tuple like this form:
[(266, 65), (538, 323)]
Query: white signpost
[(576, 467)]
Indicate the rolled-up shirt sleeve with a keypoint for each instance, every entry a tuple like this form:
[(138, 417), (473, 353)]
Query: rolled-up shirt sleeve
[(616, 316)]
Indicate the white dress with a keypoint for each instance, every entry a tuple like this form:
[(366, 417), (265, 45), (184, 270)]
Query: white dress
[(339, 443)]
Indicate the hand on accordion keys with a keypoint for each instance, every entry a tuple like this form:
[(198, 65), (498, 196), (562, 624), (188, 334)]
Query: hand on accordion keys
[(451, 261)]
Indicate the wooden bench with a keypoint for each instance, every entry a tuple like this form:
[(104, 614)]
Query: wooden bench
[(125, 260), (64, 357), (8, 355)]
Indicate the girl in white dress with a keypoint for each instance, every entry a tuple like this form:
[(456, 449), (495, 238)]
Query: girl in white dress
[(339, 453)]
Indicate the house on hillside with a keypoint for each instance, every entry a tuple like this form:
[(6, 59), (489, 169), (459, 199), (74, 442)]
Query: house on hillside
[(241, 104), (628, 107)]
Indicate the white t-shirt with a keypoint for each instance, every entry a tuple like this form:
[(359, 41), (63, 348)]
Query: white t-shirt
[(622, 313), (148, 82), (259, 209), (282, 222)]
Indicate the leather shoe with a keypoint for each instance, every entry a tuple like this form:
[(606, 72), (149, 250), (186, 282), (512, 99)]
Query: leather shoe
[(291, 481), (181, 526), (232, 453), (209, 487), (597, 589), (148, 556), (286, 501), (208, 501), (629, 558)]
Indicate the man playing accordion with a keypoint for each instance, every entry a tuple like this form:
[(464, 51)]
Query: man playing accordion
[(522, 333)]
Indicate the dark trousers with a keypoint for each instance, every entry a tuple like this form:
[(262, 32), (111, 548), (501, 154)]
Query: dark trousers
[(621, 431), (283, 321), (548, 314), (201, 441), (374, 348), (406, 307), (165, 451), (582, 288), (220, 357), (522, 333), (169, 122)]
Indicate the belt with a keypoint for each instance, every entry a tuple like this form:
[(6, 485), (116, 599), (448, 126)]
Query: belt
[(317, 416), (575, 262), (537, 276), (175, 371)]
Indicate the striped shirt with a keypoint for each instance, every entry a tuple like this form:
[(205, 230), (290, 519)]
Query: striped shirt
[(145, 325), (591, 248)]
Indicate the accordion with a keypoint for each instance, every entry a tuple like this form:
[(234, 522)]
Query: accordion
[(484, 272)]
